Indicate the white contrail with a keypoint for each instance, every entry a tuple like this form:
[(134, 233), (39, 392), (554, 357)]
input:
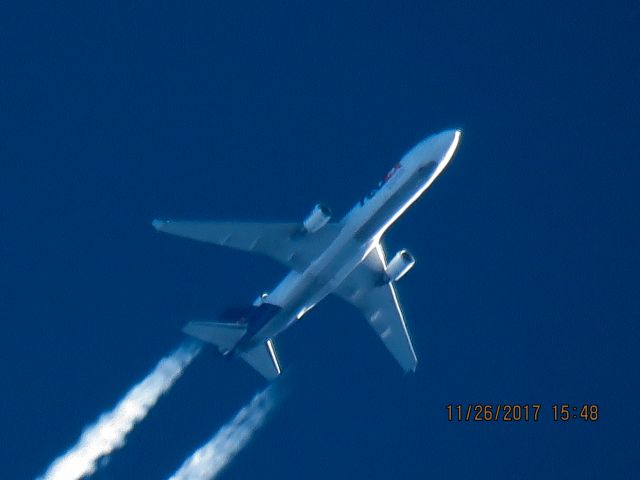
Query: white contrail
[(110, 431), (206, 462)]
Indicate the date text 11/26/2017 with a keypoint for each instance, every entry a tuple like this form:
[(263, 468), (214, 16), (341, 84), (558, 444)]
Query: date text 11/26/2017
[(533, 412)]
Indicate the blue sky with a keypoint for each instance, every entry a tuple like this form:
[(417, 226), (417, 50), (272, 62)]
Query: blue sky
[(525, 288)]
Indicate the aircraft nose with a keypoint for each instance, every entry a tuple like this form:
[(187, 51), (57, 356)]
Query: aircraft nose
[(447, 142), (438, 148), (444, 146)]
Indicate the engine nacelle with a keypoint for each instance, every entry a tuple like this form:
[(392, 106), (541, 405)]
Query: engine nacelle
[(318, 218), (399, 265)]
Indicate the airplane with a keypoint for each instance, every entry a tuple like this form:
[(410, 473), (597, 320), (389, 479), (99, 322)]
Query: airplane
[(344, 258)]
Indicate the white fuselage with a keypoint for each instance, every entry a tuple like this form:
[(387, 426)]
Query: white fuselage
[(361, 230)]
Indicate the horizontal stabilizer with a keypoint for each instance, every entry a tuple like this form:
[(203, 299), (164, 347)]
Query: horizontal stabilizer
[(263, 358), (225, 336)]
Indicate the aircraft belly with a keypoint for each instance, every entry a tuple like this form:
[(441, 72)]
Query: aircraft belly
[(299, 293)]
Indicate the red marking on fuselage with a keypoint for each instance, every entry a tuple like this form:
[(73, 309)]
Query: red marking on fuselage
[(386, 178), (392, 172)]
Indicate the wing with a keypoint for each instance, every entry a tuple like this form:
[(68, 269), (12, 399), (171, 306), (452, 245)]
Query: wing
[(280, 241), (379, 304)]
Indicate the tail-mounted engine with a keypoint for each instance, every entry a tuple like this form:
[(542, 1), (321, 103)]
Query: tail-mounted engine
[(318, 218), (399, 265)]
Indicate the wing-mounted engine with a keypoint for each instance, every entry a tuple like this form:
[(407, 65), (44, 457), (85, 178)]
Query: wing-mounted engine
[(399, 265), (318, 218)]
